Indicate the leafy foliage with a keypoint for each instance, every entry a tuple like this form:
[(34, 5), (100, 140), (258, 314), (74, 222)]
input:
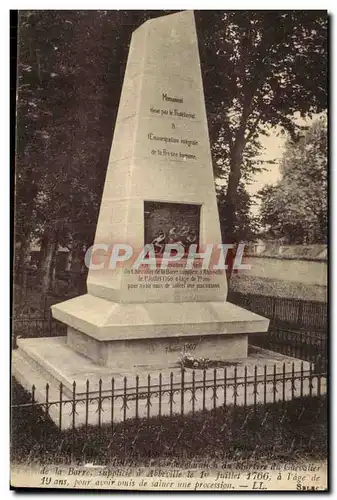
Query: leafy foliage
[(296, 208)]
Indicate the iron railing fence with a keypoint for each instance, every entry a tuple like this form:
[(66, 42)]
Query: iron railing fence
[(290, 313), (307, 345), (37, 327), (106, 408)]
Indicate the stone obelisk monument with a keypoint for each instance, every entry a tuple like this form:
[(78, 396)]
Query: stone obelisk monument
[(159, 174), (159, 188)]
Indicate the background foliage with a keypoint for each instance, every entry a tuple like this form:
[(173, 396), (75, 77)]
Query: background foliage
[(295, 209)]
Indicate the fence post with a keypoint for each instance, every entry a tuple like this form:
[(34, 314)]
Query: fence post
[(293, 381), (204, 391), (32, 408), (160, 395), (148, 403), (265, 384), (225, 388), (274, 384), (302, 377), (193, 392), (235, 386), (86, 408), (112, 405), (137, 396), (60, 410), (111, 417), (171, 394), (112, 413), (125, 404), (255, 387), (214, 390), (99, 408), (319, 384), (245, 391), (73, 407), (45, 417), (182, 391), (310, 379)]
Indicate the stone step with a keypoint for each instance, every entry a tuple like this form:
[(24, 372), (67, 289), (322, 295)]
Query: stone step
[(28, 375), (42, 366)]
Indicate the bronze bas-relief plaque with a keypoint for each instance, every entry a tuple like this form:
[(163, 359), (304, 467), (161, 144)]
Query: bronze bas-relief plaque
[(171, 223)]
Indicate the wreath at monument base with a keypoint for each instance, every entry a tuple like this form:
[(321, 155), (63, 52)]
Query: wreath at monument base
[(187, 360)]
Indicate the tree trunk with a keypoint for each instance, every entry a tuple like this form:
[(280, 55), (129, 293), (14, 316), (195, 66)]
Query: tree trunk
[(53, 269), (49, 249), (68, 265), (76, 266), (76, 258), (21, 257), (232, 188), (20, 271)]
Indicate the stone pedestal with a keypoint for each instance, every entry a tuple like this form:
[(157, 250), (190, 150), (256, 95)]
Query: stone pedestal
[(155, 334)]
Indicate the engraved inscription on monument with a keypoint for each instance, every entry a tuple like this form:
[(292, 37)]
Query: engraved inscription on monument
[(176, 144)]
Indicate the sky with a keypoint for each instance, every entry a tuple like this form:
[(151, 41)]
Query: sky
[(273, 149)]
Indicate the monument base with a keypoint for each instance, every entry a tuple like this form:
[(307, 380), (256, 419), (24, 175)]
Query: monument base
[(158, 353), (132, 336), (50, 360)]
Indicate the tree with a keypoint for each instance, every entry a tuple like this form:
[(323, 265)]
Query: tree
[(259, 68), (296, 208), (247, 224)]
